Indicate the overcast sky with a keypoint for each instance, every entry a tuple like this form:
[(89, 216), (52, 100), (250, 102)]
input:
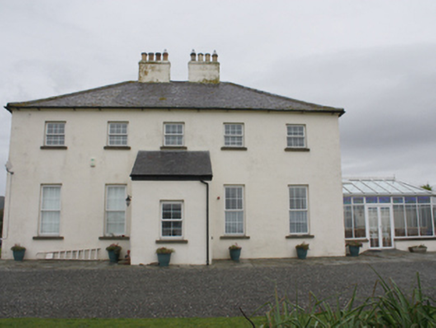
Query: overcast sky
[(375, 59)]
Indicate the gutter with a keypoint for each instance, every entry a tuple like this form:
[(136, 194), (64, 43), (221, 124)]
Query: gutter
[(207, 221)]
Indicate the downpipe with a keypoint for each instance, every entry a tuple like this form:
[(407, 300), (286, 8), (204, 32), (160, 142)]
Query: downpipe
[(207, 221)]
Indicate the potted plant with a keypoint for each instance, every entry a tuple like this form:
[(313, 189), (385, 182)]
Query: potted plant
[(113, 251), (418, 249), (18, 252), (354, 247), (164, 256), (302, 250), (235, 252)]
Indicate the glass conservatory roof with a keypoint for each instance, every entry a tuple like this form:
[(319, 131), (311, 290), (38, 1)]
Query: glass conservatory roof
[(380, 186)]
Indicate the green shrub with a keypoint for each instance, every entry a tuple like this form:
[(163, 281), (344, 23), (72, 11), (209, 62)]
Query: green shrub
[(392, 309)]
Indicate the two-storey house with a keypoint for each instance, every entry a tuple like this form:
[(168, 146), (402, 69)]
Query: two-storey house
[(196, 166)]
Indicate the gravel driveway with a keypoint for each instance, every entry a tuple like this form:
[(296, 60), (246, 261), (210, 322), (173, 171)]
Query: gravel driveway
[(88, 290)]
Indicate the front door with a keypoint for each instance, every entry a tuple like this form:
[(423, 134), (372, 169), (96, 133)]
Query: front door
[(380, 226)]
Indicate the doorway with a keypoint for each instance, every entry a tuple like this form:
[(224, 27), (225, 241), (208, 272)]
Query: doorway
[(380, 226)]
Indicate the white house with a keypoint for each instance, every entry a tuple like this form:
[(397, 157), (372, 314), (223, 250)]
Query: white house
[(203, 164)]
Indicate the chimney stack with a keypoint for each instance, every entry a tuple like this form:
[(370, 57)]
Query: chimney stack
[(152, 70), (200, 71)]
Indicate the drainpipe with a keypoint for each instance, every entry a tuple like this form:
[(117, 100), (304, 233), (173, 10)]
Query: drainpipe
[(207, 221)]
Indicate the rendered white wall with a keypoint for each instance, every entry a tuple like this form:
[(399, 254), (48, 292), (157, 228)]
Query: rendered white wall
[(146, 228)]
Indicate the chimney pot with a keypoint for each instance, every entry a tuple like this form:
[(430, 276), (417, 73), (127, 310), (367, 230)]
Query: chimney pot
[(215, 56), (193, 55), (208, 57), (144, 56), (151, 56), (165, 55), (158, 56), (200, 57)]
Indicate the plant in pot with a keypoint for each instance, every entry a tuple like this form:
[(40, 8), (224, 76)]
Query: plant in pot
[(164, 256), (18, 252), (418, 249), (235, 252), (302, 250), (354, 247), (113, 251)]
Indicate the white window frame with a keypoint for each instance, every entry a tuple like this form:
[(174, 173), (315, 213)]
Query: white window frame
[(234, 135), (166, 134), (116, 134), (290, 137), (234, 210), (107, 210), (47, 134), (44, 210), (181, 220), (304, 210)]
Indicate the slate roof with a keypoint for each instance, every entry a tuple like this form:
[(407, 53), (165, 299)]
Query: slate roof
[(172, 165), (180, 95)]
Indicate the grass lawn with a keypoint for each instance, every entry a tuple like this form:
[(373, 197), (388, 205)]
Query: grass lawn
[(170, 322)]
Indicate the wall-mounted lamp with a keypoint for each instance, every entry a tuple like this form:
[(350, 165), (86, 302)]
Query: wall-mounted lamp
[(128, 200)]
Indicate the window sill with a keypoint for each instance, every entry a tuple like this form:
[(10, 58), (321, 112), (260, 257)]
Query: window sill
[(234, 237), (296, 149), (361, 240), (171, 241), (414, 238), (116, 147), (114, 238), (173, 148), (234, 148), (48, 238), (299, 236), (54, 147)]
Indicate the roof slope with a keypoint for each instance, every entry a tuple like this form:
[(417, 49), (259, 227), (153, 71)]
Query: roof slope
[(182, 95), (172, 165), (380, 186)]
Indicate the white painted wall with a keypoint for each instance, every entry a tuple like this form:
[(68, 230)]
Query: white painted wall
[(146, 228), (265, 170)]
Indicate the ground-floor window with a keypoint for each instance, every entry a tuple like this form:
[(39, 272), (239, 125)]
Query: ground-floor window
[(50, 210), (298, 210), (413, 216), (116, 210), (234, 210), (354, 217), (171, 218)]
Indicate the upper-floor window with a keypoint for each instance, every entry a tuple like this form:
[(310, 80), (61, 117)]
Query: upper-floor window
[(296, 136), (55, 133), (174, 134), (115, 210), (233, 135), (171, 219), (117, 134), (298, 210), (234, 210), (50, 210)]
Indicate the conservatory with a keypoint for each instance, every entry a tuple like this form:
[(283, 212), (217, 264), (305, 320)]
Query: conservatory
[(385, 213)]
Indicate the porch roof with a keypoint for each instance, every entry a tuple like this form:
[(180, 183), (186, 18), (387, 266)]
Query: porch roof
[(172, 165), (380, 186)]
